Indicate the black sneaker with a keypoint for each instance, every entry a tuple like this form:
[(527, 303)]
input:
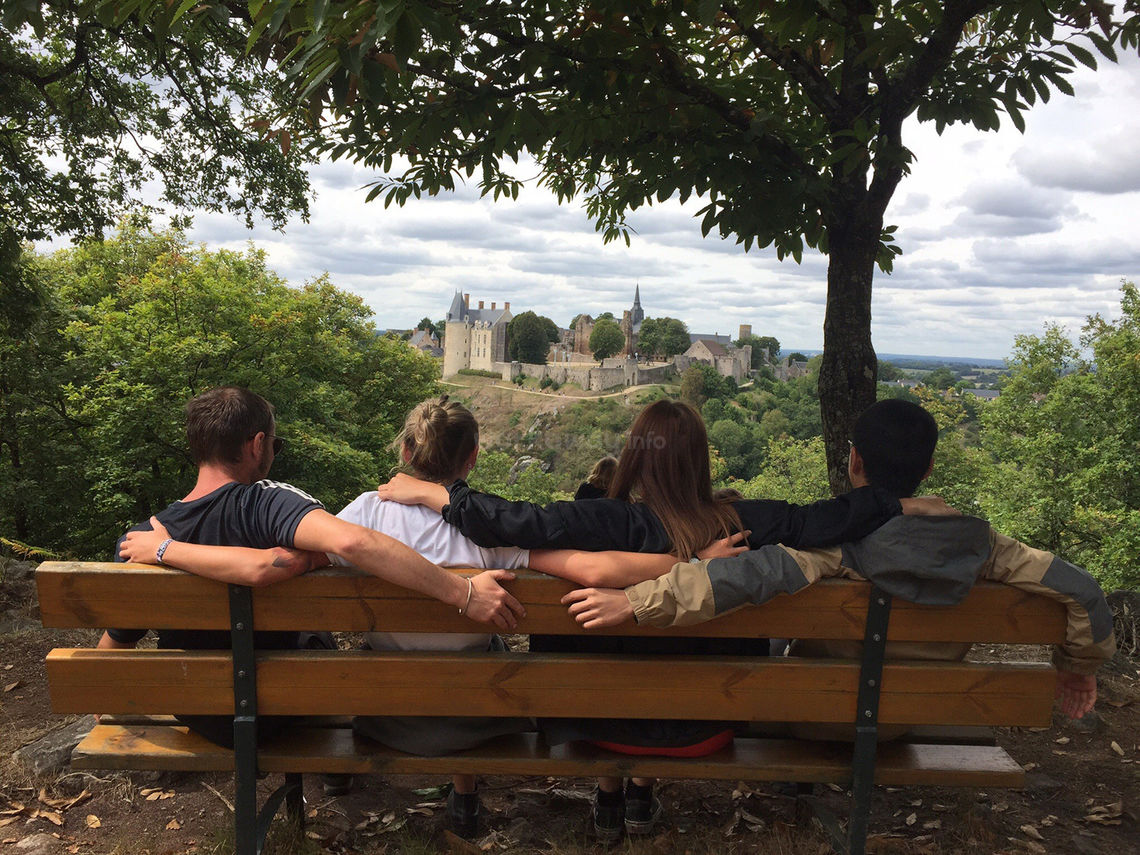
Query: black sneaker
[(463, 813), (608, 816), (642, 809), (336, 785)]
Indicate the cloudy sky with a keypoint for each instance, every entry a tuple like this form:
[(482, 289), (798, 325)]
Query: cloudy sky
[(1002, 233)]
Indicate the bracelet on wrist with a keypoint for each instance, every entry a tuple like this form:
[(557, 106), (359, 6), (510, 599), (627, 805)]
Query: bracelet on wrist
[(470, 588), (161, 551)]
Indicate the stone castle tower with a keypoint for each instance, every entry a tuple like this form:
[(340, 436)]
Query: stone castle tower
[(474, 338)]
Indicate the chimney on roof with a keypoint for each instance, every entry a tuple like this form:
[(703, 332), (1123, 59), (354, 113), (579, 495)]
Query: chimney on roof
[(480, 304), (506, 307), (467, 301), (492, 305)]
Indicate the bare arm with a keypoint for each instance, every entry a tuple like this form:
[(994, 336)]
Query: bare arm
[(384, 556), (614, 569), (408, 490), (237, 565), (609, 569)]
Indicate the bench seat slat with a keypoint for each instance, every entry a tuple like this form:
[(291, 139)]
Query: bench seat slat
[(361, 682), (338, 750), (74, 594)]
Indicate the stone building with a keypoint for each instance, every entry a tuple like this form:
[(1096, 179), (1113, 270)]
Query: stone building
[(474, 338), (728, 360)]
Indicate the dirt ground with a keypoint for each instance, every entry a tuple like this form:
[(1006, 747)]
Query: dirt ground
[(1083, 795)]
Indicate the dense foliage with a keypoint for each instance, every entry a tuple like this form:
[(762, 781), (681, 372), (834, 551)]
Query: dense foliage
[(119, 101), (529, 337), (108, 341), (665, 337), (1065, 435), (606, 339)]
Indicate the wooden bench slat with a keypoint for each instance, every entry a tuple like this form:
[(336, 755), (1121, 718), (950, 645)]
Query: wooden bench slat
[(338, 750), (362, 682), (74, 594)]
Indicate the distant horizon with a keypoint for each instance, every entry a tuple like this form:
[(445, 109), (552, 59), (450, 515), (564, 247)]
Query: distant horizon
[(983, 361)]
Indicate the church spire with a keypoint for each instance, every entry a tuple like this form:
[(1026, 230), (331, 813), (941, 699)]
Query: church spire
[(636, 313)]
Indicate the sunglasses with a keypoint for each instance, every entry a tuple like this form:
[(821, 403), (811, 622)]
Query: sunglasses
[(278, 444)]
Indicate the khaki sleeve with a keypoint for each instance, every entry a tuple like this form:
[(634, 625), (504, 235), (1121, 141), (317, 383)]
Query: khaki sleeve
[(1089, 639), (681, 597), (699, 591)]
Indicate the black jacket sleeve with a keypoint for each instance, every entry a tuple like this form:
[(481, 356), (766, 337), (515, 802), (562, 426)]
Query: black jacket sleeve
[(826, 523), (595, 525)]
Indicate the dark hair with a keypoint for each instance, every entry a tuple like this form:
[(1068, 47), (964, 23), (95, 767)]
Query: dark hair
[(438, 437), (665, 464), (896, 440), (220, 421)]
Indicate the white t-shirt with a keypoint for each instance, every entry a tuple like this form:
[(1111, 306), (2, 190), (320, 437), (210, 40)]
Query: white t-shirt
[(426, 532)]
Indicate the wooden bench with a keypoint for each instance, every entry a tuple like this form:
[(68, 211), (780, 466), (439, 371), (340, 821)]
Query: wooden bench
[(248, 683)]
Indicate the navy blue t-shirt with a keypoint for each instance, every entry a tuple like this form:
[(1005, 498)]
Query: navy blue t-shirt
[(261, 515)]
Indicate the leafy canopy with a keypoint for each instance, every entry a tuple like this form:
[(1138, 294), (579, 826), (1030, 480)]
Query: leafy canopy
[(529, 338), (759, 108), (1066, 435), (120, 334), (606, 339), (123, 94), (663, 337)]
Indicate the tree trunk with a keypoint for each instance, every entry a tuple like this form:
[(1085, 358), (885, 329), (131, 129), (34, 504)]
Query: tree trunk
[(847, 376)]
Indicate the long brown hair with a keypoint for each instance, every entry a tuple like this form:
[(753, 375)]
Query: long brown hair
[(437, 440), (665, 464)]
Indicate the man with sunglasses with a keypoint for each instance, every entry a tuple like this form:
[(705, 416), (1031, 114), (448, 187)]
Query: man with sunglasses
[(232, 438)]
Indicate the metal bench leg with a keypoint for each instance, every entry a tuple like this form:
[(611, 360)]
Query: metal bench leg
[(247, 840), (867, 722), (295, 799)]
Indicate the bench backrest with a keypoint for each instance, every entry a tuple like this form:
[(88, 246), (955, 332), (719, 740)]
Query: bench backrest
[(74, 594)]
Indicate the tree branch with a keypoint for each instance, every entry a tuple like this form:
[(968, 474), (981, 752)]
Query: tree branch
[(810, 79)]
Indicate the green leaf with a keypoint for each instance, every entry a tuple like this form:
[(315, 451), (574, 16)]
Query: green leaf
[(1083, 56)]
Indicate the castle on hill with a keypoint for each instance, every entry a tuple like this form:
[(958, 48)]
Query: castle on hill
[(476, 338)]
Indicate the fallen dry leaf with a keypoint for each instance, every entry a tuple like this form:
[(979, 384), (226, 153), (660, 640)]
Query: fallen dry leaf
[(153, 797), (912, 819), (11, 686), (92, 821), (52, 816), (173, 825), (1064, 740), (65, 803), (1031, 831), (1116, 747), (8, 820)]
